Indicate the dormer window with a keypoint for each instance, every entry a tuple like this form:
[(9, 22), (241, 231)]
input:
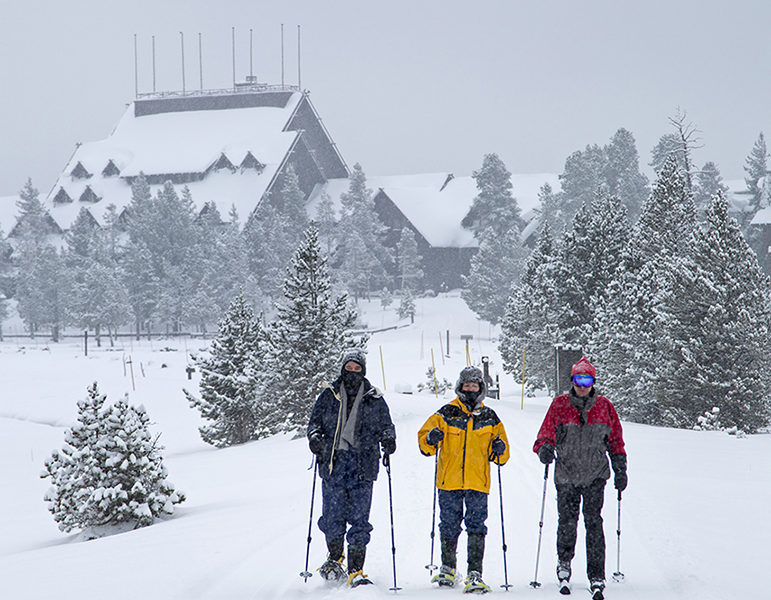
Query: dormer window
[(223, 163), (88, 195), (110, 170), (250, 162), (62, 197), (80, 172)]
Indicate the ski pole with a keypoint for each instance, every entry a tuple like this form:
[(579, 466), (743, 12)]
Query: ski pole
[(306, 573), (506, 585), (387, 463), (431, 566), (618, 575), (535, 583)]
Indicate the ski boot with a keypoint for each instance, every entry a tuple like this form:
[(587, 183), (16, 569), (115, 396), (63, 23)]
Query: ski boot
[(447, 577), (474, 584), (563, 576), (596, 587), (358, 578), (332, 570)]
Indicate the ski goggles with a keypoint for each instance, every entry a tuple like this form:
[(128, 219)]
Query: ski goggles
[(583, 380)]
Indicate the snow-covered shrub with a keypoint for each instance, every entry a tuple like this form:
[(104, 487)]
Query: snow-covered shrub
[(709, 421), (110, 470), (433, 383)]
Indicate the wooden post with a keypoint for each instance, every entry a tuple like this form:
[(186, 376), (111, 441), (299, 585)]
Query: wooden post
[(522, 407), (382, 367), (131, 368), (441, 349), (433, 365), (85, 341)]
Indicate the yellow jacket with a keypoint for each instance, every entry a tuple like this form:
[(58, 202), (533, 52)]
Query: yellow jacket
[(464, 453)]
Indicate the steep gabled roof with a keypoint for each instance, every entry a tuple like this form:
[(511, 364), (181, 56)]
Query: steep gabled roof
[(435, 203), (190, 138)]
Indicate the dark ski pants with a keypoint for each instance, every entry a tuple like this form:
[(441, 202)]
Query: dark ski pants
[(451, 512), (568, 501), (346, 499)]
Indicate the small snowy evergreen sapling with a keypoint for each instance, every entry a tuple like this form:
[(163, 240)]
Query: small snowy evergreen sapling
[(110, 470), (407, 306)]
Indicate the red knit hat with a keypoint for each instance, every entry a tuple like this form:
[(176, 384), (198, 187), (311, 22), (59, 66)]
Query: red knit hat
[(583, 367)]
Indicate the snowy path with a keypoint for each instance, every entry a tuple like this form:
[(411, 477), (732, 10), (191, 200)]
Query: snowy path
[(695, 521)]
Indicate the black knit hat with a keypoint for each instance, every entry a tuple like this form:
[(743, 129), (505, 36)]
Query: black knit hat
[(356, 355)]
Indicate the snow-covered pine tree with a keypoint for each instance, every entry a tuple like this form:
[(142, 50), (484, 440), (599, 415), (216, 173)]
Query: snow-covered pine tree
[(311, 329), (756, 166), (410, 273), (362, 261), (494, 208), (407, 305), (622, 174), (229, 376), (493, 271), (529, 322), (74, 470), (716, 317), (707, 183), (326, 223), (549, 209), (110, 471), (627, 338), (580, 179), (133, 487), (273, 230)]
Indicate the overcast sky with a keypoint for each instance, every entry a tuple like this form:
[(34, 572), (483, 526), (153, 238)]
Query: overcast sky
[(403, 86)]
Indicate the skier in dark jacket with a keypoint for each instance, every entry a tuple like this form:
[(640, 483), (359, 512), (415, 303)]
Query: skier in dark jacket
[(349, 425), (583, 428)]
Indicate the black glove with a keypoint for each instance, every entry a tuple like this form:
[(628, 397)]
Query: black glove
[(388, 444), (498, 447), (316, 443), (546, 453), (434, 436), (618, 462)]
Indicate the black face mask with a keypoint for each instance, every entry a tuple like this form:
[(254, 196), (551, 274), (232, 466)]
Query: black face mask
[(352, 380), (469, 398)]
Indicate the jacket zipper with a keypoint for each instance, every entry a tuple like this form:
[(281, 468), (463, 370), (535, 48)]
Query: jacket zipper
[(463, 465)]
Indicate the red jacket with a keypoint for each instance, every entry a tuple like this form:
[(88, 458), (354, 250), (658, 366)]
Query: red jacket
[(582, 438)]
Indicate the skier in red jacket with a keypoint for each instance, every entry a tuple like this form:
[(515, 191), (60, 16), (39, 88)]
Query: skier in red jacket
[(582, 429)]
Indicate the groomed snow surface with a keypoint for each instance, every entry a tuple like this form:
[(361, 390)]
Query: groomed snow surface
[(695, 520)]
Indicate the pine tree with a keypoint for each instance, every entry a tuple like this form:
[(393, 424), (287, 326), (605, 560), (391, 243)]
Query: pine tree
[(494, 208), (311, 329), (407, 305), (493, 269), (363, 261), (622, 175), (410, 273), (627, 337), (707, 183), (528, 322), (326, 223), (109, 471), (229, 377), (716, 316), (756, 166), (581, 179), (549, 210)]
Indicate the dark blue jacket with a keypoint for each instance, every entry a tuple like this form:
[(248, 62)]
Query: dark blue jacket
[(373, 425)]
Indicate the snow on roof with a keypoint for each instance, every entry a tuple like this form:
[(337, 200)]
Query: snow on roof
[(186, 142), (435, 209)]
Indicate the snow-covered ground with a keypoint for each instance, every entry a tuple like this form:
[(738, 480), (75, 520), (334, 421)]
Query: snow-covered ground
[(695, 516)]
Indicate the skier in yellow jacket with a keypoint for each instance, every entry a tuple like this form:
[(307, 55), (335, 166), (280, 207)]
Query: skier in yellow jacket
[(467, 435)]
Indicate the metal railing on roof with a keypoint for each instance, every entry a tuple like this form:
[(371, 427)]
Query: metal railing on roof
[(244, 88)]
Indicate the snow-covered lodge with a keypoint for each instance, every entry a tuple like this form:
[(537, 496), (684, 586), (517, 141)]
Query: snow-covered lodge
[(232, 147)]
